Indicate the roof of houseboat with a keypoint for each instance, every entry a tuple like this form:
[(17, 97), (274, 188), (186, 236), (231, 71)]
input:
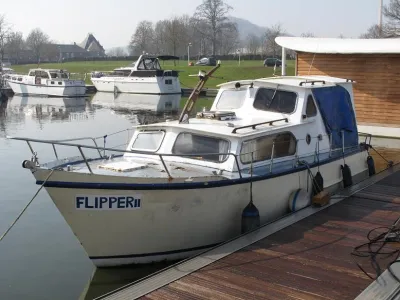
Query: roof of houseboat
[(340, 46), (225, 128), (297, 81)]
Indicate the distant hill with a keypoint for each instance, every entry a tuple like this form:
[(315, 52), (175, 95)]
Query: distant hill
[(245, 28)]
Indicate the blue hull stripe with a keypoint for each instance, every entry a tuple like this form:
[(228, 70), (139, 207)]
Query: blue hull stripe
[(179, 186), (156, 253), (295, 199)]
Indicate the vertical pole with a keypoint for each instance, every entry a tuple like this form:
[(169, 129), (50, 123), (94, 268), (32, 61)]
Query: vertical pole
[(188, 55), (283, 67), (380, 16)]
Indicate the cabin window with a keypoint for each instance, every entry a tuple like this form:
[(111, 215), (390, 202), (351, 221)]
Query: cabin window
[(188, 143), (311, 109), (231, 99), (285, 145), (44, 74), (31, 73), (274, 100), (148, 141)]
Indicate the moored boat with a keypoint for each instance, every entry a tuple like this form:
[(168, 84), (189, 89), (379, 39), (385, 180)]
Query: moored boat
[(180, 186), (47, 82), (145, 76)]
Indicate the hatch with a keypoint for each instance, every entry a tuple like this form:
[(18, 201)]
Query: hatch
[(123, 166), (216, 115)]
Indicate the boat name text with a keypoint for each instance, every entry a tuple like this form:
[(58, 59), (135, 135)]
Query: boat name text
[(91, 202)]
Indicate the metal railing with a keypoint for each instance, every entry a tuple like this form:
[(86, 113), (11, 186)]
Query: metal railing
[(161, 157)]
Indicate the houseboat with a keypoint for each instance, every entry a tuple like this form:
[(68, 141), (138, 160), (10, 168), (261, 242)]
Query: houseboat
[(145, 76), (47, 82), (180, 187)]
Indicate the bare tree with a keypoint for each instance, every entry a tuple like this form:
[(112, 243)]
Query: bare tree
[(142, 39), (341, 36), (271, 47), (14, 46), (37, 41), (392, 13), (253, 44), (228, 39), (307, 34), (374, 32), (4, 33), (175, 35), (159, 37), (214, 15)]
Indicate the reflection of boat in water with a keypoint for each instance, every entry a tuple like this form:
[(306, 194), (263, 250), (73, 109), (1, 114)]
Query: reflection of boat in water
[(47, 108), (138, 102), (144, 108), (105, 280)]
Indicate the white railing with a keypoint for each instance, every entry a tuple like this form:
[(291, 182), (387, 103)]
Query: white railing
[(65, 142)]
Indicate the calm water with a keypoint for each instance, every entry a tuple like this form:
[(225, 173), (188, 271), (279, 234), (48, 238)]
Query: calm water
[(40, 258)]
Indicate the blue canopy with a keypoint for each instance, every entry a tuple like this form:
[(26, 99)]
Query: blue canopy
[(336, 109)]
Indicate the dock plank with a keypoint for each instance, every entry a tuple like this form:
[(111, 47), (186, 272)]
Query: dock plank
[(309, 258)]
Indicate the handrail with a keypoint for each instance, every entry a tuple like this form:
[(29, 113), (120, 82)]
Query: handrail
[(160, 155), (253, 126), (312, 82), (80, 146)]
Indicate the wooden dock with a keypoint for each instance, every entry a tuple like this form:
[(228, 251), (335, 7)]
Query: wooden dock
[(305, 255)]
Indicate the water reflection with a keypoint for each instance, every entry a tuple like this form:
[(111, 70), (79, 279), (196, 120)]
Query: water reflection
[(105, 280), (140, 109)]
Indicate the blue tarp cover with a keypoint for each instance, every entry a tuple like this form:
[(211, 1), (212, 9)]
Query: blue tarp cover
[(335, 106)]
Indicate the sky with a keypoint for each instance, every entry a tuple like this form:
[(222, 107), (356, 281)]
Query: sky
[(114, 21)]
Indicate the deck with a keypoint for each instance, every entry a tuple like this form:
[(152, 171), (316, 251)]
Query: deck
[(306, 255)]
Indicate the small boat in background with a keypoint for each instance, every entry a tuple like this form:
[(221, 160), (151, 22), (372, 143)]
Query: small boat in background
[(5, 74), (47, 82), (145, 76)]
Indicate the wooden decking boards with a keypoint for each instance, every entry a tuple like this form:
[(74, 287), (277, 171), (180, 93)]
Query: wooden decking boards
[(303, 256)]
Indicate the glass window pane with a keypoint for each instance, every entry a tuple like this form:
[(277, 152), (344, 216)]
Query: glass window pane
[(311, 110), (231, 99), (275, 100), (148, 140), (285, 145), (188, 143)]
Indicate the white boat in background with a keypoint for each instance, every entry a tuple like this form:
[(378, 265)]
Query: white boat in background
[(181, 186), (136, 102), (145, 76), (47, 82), (5, 75)]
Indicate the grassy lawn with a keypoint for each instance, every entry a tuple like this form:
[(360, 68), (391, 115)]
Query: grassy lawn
[(229, 70)]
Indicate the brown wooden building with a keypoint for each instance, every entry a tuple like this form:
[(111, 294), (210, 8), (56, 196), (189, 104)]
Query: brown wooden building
[(374, 65)]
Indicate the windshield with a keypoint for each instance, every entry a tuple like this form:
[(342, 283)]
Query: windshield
[(231, 99), (148, 141), (274, 100)]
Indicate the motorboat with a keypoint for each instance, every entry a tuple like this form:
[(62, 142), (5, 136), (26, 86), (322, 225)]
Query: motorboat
[(47, 82), (145, 76), (181, 186), (5, 75)]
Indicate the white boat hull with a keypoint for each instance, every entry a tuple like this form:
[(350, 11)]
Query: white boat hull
[(138, 85), (171, 224), (46, 90)]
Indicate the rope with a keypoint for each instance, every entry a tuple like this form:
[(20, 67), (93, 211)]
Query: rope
[(15, 221)]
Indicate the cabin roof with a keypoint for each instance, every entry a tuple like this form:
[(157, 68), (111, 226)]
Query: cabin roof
[(288, 81), (216, 127), (340, 46), (48, 70)]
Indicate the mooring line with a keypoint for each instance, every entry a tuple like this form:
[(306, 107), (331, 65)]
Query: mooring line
[(19, 216)]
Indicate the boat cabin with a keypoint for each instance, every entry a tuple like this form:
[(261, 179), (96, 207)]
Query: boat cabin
[(49, 73), (145, 66), (270, 121)]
